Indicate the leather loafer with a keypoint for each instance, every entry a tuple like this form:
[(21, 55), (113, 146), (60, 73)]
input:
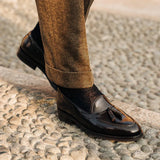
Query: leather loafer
[(103, 120), (32, 55)]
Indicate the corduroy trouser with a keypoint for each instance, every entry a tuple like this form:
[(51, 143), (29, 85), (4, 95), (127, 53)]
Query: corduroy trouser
[(63, 32)]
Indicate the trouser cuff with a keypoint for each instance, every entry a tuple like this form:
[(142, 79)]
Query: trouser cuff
[(70, 79)]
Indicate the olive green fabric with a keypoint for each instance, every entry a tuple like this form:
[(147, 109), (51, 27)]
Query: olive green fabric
[(62, 25)]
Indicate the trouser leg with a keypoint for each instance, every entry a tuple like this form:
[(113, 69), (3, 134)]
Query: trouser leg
[(62, 25)]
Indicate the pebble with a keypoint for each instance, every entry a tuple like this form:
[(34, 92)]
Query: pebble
[(93, 158), (126, 157), (3, 149), (65, 150), (79, 154), (66, 157), (54, 150), (5, 156), (153, 141), (15, 148), (146, 149), (51, 157), (39, 145), (24, 149), (49, 141), (63, 144), (139, 155), (107, 154), (133, 147), (105, 143), (155, 156), (91, 146)]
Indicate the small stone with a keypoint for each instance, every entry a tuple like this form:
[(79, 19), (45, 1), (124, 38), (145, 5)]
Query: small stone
[(102, 150), (15, 148), (146, 149), (27, 135), (24, 141), (33, 140), (66, 139), (107, 155), (29, 154), (87, 140), (150, 133), (40, 146), (123, 151), (53, 150), (39, 152), (93, 156), (24, 149), (158, 144), (65, 150), (133, 147), (126, 157), (157, 150), (5, 156), (50, 110), (55, 135), (2, 123), (139, 155), (79, 154), (3, 149), (119, 146), (153, 141), (155, 156), (37, 157), (38, 132), (51, 157), (15, 120), (105, 143), (142, 141), (65, 157), (63, 144), (91, 146), (50, 141), (21, 128)]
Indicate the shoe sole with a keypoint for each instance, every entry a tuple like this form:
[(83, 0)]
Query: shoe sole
[(29, 61), (67, 118)]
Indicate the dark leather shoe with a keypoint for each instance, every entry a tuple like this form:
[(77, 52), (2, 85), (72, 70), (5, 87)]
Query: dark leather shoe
[(32, 55), (104, 119)]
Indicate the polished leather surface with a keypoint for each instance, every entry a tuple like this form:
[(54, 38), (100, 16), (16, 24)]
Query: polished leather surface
[(33, 53), (31, 48), (104, 118)]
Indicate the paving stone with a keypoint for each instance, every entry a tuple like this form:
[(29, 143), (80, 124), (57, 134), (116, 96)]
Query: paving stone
[(127, 48), (66, 158), (133, 147), (51, 157), (5, 156), (155, 155), (139, 155), (146, 148), (126, 157), (79, 154), (53, 150)]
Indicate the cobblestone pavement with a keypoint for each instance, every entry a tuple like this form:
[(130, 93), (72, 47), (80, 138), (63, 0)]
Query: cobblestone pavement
[(30, 129), (124, 52), (125, 57)]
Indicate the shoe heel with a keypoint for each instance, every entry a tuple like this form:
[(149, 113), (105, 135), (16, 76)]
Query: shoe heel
[(64, 117), (26, 59)]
